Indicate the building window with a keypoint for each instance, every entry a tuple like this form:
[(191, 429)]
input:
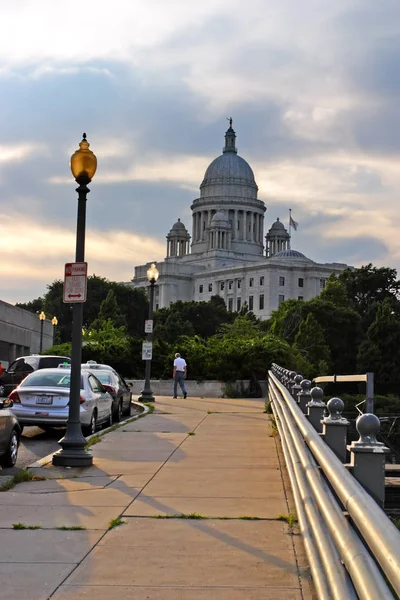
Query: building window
[(301, 282), (222, 286), (200, 289), (262, 280), (230, 304), (230, 285), (300, 297), (157, 306), (238, 225), (239, 283), (281, 298), (250, 302), (281, 281), (204, 225), (238, 304), (322, 283), (251, 281), (261, 302), (210, 287)]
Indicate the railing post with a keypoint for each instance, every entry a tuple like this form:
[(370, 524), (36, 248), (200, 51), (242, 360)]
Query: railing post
[(367, 457), (334, 428), (291, 382), (316, 408), (296, 389), (304, 397)]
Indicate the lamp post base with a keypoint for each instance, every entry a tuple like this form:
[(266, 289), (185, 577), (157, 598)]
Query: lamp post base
[(146, 396), (73, 453), (72, 458)]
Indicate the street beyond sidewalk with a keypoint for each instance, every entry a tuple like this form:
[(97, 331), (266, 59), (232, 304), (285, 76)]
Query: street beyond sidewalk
[(194, 492)]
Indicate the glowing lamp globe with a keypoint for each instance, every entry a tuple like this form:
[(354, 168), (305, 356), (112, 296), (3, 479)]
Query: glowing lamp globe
[(83, 161), (152, 273)]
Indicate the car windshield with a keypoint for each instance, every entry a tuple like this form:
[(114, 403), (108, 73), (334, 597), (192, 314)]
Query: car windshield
[(104, 377), (41, 379)]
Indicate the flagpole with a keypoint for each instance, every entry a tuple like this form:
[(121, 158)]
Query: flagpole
[(290, 225)]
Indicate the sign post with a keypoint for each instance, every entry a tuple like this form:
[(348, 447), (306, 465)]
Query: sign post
[(75, 282)]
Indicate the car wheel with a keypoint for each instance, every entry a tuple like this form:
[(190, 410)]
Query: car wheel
[(10, 457), (2, 390), (92, 427), (127, 410)]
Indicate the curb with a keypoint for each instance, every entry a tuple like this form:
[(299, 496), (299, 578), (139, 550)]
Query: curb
[(47, 459)]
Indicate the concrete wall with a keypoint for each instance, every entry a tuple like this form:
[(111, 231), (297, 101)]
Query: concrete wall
[(195, 389), (20, 333)]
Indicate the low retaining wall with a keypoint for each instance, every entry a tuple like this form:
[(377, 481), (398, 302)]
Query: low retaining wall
[(195, 389)]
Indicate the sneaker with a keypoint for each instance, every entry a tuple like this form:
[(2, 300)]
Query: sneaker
[(184, 394), (174, 396)]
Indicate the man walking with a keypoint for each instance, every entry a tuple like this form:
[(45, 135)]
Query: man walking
[(179, 374)]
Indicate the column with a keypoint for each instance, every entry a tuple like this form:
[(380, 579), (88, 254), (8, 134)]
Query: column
[(245, 225), (235, 222)]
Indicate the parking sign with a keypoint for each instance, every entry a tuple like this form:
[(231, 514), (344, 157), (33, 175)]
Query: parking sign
[(75, 282)]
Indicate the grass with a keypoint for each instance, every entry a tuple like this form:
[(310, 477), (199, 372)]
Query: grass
[(20, 477), (268, 407), (93, 440), (115, 523), (274, 426), (248, 518), (209, 412), (290, 519), (23, 526), (191, 433), (193, 515), (71, 528), (150, 406)]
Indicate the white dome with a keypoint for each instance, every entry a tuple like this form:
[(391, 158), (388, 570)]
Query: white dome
[(220, 220), (229, 168)]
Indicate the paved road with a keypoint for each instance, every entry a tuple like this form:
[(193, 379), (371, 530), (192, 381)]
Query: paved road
[(35, 444)]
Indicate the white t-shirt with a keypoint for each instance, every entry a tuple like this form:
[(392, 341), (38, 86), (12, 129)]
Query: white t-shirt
[(180, 364)]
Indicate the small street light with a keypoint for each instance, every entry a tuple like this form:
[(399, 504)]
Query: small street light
[(146, 394), (54, 322), (73, 453), (42, 317)]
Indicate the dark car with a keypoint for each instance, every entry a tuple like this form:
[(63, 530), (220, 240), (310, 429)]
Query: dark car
[(119, 390), (10, 433), (22, 366)]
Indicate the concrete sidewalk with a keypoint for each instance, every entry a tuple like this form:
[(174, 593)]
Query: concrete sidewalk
[(213, 458)]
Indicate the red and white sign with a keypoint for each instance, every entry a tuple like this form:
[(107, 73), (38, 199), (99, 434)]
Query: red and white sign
[(75, 282)]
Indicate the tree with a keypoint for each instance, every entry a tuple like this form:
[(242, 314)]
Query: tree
[(371, 285), (133, 305), (310, 342), (379, 351), (35, 306), (109, 311)]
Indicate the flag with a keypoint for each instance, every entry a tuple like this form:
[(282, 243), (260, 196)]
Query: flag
[(293, 223)]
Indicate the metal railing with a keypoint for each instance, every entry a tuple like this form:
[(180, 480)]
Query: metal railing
[(353, 548)]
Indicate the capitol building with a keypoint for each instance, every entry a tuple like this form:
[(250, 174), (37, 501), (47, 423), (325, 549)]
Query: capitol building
[(227, 253)]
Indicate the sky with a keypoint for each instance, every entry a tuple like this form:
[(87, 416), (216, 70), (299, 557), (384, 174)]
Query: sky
[(313, 87)]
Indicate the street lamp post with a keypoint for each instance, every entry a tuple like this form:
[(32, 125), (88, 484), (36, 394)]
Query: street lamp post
[(146, 394), (73, 453), (54, 322), (42, 317)]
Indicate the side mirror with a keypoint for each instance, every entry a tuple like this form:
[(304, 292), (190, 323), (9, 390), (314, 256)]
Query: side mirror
[(6, 403), (109, 389), (130, 384)]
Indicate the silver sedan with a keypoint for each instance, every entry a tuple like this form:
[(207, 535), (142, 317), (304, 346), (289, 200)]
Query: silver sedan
[(42, 399)]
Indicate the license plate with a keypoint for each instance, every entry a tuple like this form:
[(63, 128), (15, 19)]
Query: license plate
[(44, 399)]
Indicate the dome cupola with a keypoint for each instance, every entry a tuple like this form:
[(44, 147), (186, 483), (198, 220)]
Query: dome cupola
[(178, 240), (277, 239)]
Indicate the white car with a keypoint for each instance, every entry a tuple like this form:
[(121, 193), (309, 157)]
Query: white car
[(42, 399)]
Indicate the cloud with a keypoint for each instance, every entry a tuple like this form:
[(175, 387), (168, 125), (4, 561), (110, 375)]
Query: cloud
[(34, 257), (312, 88)]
